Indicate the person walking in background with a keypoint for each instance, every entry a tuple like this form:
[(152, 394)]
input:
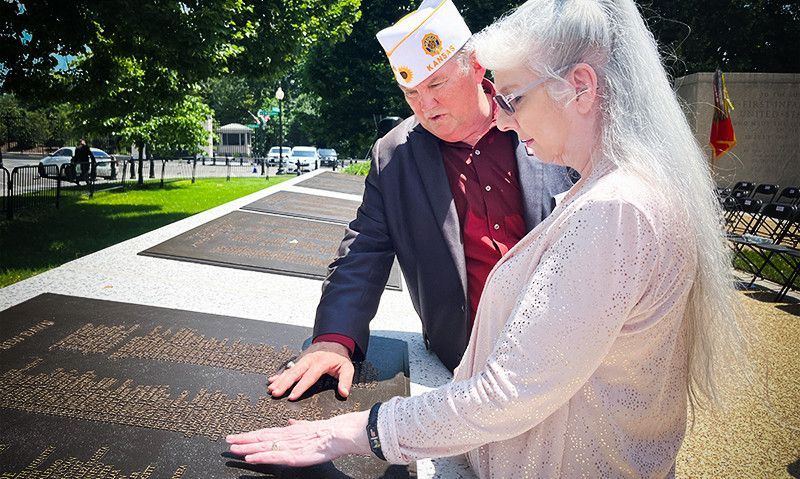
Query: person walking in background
[(84, 162)]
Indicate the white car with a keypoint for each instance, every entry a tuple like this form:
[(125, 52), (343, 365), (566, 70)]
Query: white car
[(304, 158), (63, 156), (272, 156), (328, 157)]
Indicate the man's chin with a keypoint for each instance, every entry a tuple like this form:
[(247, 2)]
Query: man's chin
[(443, 132)]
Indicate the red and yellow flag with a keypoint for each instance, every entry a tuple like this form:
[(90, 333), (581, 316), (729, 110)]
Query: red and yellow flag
[(722, 136)]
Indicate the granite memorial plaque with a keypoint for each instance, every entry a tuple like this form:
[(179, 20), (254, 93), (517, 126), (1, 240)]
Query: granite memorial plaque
[(767, 109), (101, 389), (262, 242), (339, 182), (306, 206)]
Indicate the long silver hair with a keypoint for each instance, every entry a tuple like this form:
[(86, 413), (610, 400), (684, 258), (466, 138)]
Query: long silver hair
[(643, 130)]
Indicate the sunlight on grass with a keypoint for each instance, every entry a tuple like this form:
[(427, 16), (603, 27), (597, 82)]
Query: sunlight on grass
[(49, 237)]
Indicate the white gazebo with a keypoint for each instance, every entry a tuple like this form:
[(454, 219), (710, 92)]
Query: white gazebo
[(235, 139)]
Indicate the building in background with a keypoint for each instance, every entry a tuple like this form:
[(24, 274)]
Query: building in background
[(235, 139)]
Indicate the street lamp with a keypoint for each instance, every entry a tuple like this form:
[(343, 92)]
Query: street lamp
[(279, 95)]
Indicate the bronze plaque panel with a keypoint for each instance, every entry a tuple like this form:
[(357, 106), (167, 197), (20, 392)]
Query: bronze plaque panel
[(100, 389), (339, 182), (306, 206), (274, 244)]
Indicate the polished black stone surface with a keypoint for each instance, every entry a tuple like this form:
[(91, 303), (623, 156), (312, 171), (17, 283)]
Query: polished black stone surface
[(262, 242), (339, 182), (89, 387), (306, 206)]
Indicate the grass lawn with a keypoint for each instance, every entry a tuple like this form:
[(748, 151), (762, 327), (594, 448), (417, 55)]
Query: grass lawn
[(49, 237), (769, 272)]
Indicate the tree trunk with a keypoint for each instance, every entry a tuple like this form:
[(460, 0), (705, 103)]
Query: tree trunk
[(152, 163), (141, 165), (133, 169)]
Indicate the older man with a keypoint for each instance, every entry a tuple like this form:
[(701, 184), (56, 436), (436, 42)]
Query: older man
[(447, 194)]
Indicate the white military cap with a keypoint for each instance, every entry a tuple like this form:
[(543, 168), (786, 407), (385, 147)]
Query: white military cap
[(422, 41)]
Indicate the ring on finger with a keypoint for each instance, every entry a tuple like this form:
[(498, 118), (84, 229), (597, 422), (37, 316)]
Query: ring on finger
[(276, 445), (289, 364)]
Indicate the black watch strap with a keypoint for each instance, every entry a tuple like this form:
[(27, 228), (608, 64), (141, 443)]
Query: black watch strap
[(372, 432)]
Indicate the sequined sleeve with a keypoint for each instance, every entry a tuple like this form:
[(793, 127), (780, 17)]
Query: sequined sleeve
[(567, 316)]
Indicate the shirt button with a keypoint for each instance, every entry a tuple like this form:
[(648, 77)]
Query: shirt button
[(496, 226), (478, 152), (488, 188)]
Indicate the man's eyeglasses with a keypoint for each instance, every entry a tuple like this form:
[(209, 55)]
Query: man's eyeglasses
[(506, 102)]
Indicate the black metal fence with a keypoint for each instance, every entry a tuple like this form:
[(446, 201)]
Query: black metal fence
[(192, 168), (27, 187), (5, 200)]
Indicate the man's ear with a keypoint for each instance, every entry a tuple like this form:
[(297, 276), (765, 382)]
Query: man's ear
[(476, 67), (583, 79)]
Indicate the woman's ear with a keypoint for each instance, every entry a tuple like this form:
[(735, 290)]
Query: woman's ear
[(584, 80)]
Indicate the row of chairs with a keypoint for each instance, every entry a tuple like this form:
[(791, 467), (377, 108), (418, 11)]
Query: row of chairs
[(767, 192), (763, 228)]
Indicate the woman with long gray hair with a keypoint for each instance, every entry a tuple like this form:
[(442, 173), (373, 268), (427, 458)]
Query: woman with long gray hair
[(598, 328)]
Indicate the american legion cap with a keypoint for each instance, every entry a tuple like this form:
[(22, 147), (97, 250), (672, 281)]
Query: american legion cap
[(422, 41)]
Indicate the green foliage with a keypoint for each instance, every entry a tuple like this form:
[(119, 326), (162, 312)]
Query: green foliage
[(361, 168), (174, 44), (25, 128), (178, 131), (354, 83), (284, 30), (232, 97), (735, 35), (356, 87), (56, 236)]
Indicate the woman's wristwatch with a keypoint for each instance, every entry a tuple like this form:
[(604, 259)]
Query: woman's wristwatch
[(372, 432)]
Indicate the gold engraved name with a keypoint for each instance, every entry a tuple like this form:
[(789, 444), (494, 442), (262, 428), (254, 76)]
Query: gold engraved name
[(13, 341)]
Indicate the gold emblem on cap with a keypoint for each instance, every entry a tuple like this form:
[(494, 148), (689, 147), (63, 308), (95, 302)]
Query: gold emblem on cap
[(432, 44), (405, 74)]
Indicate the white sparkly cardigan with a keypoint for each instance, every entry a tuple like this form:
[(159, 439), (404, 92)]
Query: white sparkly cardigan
[(577, 363)]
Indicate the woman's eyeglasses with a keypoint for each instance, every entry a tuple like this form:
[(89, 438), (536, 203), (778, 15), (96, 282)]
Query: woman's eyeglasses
[(506, 102)]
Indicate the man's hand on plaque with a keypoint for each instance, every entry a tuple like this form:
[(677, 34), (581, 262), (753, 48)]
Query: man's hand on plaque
[(320, 358)]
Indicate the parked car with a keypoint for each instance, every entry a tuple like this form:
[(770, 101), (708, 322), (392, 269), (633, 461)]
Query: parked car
[(106, 164), (327, 157), (272, 155), (304, 158)]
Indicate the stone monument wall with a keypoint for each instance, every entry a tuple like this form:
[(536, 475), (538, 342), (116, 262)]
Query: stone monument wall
[(765, 118)]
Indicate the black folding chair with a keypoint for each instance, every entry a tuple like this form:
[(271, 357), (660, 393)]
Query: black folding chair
[(779, 224), (790, 195), (744, 186), (744, 217), (736, 196), (765, 192)]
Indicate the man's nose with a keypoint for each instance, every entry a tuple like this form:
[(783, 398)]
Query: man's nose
[(427, 102)]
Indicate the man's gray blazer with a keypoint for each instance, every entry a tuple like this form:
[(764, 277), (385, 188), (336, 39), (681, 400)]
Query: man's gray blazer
[(408, 211)]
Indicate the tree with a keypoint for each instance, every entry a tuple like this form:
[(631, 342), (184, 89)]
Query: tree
[(355, 85), (286, 29), (25, 127), (127, 76), (735, 35), (353, 81)]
